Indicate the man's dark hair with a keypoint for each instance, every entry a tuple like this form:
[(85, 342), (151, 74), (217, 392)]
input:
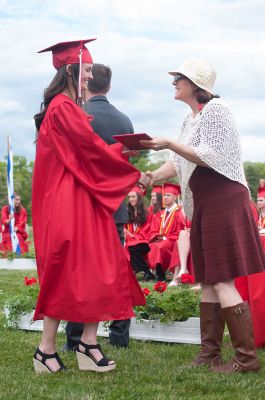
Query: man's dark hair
[(101, 79)]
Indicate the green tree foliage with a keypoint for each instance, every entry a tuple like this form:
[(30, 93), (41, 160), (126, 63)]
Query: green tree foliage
[(254, 172), (22, 182)]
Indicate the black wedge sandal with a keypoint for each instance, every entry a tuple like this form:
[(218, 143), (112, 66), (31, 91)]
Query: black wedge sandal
[(40, 366), (86, 362)]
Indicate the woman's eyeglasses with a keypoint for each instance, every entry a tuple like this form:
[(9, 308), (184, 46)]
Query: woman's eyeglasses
[(178, 77)]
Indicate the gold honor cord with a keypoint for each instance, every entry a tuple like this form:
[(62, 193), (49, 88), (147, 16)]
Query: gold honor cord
[(164, 230)]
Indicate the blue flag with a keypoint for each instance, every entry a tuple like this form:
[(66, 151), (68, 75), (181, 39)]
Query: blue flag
[(11, 197)]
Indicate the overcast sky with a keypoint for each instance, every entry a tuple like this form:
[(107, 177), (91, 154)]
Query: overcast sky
[(141, 40)]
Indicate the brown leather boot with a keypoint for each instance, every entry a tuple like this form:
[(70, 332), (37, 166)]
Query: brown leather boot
[(212, 331), (240, 328)]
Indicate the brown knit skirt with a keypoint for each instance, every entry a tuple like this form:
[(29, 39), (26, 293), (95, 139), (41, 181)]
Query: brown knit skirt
[(224, 238)]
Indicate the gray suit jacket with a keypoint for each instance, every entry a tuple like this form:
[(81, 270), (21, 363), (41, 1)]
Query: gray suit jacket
[(109, 121)]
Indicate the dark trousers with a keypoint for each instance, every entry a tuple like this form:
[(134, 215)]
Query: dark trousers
[(137, 257), (119, 330)]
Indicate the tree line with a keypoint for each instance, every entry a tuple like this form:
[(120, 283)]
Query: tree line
[(23, 170)]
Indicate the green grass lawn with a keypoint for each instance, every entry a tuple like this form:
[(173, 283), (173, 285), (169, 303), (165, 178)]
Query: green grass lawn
[(144, 371)]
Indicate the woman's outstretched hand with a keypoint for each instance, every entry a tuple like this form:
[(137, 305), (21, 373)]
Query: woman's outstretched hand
[(155, 144), (129, 153), (150, 176)]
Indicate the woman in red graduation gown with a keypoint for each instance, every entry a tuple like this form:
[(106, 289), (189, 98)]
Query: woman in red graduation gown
[(21, 217), (156, 200), (136, 233), (83, 273)]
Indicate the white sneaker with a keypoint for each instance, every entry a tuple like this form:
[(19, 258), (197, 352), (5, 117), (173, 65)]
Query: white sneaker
[(173, 283)]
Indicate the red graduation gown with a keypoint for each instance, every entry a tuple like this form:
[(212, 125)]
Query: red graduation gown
[(252, 289), (141, 234), (20, 223), (161, 250), (78, 182)]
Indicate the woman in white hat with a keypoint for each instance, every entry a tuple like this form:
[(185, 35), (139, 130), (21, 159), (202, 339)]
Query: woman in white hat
[(224, 240)]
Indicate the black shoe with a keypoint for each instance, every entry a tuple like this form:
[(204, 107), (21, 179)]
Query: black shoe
[(87, 362), (148, 276), (160, 279), (160, 274), (39, 362)]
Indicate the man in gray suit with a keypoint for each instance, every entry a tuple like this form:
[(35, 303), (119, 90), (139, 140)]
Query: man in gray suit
[(108, 121)]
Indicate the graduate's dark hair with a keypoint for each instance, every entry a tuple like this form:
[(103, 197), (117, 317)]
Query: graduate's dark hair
[(159, 203), (140, 217), (57, 85)]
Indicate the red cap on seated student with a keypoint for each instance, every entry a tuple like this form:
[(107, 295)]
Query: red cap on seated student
[(172, 188), (157, 189)]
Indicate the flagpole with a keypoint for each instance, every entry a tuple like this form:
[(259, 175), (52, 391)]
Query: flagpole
[(11, 197)]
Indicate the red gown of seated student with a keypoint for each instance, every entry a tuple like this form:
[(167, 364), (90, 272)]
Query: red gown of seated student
[(252, 289), (78, 182), (169, 227), (175, 261), (140, 232), (20, 223)]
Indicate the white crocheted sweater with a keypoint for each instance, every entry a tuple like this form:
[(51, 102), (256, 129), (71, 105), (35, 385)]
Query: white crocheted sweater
[(214, 137)]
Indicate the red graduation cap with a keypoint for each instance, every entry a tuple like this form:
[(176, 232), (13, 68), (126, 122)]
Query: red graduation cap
[(172, 188), (69, 53), (157, 189), (137, 190)]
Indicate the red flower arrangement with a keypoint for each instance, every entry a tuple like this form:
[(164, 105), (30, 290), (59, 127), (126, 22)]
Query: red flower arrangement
[(169, 304), (160, 287), (187, 279)]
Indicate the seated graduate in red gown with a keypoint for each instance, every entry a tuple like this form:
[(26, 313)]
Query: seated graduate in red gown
[(83, 272), (21, 218), (164, 231), (156, 200), (252, 287), (136, 233)]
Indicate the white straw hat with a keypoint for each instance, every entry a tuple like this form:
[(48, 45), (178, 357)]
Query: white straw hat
[(199, 71)]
